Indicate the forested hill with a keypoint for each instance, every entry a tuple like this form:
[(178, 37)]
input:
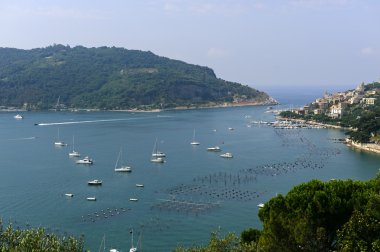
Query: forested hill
[(111, 78)]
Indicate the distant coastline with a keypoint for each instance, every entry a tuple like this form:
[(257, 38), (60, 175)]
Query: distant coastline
[(268, 102), (224, 105)]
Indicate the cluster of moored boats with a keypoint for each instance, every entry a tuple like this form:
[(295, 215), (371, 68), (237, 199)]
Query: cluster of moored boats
[(213, 148), (89, 161), (284, 124), (157, 157)]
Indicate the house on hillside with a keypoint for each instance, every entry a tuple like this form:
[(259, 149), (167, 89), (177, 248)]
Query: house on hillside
[(355, 99), (337, 110), (368, 101)]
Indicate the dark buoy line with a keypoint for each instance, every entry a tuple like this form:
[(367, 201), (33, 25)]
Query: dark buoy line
[(201, 194)]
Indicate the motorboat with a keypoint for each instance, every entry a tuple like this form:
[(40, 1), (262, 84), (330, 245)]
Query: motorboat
[(261, 205), (227, 155), (91, 198), (95, 182), (69, 194), (85, 160), (139, 185), (133, 199), (215, 148), (18, 117)]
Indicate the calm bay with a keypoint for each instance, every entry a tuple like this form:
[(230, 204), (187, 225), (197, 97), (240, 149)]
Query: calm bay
[(184, 199)]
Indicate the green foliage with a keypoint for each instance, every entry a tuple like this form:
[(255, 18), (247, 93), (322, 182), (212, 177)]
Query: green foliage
[(109, 78), (36, 240), (339, 215), (228, 243), (250, 235), (289, 114), (366, 125), (310, 215)]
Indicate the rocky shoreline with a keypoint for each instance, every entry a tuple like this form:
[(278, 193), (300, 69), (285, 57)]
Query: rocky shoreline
[(370, 147)]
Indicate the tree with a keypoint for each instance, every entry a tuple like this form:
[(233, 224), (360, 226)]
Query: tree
[(37, 240)]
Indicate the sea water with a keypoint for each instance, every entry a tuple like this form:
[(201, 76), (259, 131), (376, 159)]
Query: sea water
[(192, 194)]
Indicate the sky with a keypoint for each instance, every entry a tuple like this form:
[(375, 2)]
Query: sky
[(271, 45)]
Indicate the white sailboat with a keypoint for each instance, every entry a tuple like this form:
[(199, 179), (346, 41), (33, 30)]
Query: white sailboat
[(122, 168), (215, 149), (194, 142), (157, 156), (156, 152), (58, 142), (73, 152)]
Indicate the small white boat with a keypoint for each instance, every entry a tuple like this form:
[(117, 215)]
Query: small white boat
[(85, 160), (114, 250), (91, 198), (122, 168), (156, 153), (69, 194), (231, 128), (18, 117), (95, 182), (133, 199), (227, 155), (215, 148), (157, 160), (73, 152), (139, 185), (58, 142), (261, 205), (194, 142)]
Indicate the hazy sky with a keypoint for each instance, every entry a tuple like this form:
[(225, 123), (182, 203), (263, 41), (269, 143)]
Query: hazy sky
[(266, 44)]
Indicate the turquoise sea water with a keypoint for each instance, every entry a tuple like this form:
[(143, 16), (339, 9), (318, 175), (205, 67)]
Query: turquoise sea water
[(183, 200)]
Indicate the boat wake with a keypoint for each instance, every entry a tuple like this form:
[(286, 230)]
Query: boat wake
[(92, 121), (22, 138)]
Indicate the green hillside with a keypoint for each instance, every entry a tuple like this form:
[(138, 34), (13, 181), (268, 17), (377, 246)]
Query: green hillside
[(110, 78)]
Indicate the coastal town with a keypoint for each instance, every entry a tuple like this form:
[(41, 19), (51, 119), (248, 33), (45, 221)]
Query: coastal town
[(335, 105), (356, 111)]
